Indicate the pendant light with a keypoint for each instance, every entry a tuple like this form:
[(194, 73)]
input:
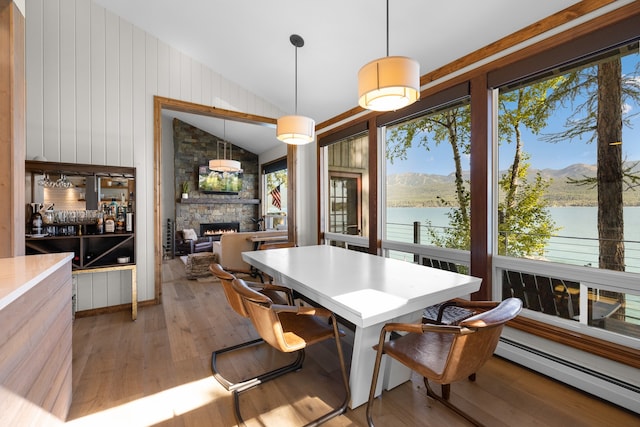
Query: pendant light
[(296, 130), (223, 164), (389, 83)]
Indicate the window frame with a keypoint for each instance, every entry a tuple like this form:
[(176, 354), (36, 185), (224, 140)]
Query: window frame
[(528, 46)]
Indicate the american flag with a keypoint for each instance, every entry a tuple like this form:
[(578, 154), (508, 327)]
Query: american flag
[(275, 197)]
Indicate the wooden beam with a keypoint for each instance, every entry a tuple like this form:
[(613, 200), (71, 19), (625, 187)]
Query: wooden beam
[(13, 216)]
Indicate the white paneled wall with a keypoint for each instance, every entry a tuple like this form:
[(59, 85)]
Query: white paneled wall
[(91, 78)]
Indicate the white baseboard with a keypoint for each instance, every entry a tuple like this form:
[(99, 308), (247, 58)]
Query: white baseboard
[(610, 381)]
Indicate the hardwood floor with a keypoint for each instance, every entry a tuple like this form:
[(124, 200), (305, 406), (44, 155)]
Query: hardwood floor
[(156, 371)]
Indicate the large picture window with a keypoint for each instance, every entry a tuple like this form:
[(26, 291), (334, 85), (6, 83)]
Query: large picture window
[(569, 172), (427, 179)]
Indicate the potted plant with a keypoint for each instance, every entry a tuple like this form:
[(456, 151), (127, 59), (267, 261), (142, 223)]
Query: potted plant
[(185, 189)]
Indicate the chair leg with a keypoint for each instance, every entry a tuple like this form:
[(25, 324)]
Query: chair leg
[(345, 381), (337, 411), (374, 381), (294, 366), (444, 400)]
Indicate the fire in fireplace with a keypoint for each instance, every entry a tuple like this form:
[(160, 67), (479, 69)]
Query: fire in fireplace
[(218, 228)]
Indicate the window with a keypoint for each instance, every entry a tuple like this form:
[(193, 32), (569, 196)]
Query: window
[(427, 178), (569, 171), (275, 186)]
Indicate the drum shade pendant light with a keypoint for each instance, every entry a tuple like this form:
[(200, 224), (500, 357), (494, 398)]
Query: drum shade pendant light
[(389, 83), (223, 164), (296, 130)]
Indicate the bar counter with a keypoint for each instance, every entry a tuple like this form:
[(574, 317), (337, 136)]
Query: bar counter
[(35, 339)]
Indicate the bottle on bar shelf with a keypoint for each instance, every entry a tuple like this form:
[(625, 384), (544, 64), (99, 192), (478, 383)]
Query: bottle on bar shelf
[(110, 218), (120, 219)]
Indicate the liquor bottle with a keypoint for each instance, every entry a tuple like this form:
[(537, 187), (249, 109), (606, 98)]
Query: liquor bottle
[(130, 203), (110, 219), (36, 219), (100, 222), (113, 206), (129, 215), (120, 219), (129, 221)]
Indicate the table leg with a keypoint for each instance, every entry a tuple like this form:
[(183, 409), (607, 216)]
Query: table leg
[(363, 359), (362, 362), (396, 373)]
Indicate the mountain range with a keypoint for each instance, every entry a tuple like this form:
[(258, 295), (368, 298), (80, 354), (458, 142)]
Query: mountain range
[(421, 189)]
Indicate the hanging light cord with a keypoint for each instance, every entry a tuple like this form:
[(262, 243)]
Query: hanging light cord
[(297, 42), (387, 27), (296, 84), (224, 130)]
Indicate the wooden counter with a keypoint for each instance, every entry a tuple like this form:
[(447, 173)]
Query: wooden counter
[(35, 339)]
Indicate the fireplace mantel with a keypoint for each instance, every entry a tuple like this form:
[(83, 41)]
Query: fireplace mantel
[(207, 201)]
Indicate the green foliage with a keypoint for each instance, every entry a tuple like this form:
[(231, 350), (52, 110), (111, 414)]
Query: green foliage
[(276, 178), (526, 226), (451, 125), (578, 91), (458, 234), (599, 96), (220, 181), (526, 217), (525, 106)]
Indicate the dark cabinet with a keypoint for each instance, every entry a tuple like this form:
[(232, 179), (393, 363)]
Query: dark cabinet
[(90, 251)]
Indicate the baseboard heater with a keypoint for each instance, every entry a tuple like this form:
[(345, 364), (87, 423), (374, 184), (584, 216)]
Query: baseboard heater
[(601, 385)]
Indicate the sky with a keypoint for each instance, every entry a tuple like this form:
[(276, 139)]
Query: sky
[(543, 154)]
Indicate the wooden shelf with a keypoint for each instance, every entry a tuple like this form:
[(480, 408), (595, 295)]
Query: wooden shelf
[(207, 201)]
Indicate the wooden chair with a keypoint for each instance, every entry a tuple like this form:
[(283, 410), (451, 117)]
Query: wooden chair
[(291, 328), (277, 293), (444, 353)]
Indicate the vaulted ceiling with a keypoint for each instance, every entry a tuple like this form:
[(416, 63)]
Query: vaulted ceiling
[(247, 41)]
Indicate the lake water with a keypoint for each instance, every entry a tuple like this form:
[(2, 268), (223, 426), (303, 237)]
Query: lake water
[(575, 243)]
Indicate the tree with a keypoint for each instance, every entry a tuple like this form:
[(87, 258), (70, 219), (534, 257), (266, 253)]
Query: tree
[(525, 224), (452, 126), (602, 91), (521, 107), (276, 178)]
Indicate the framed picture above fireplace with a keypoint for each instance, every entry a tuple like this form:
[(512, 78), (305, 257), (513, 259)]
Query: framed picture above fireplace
[(216, 182)]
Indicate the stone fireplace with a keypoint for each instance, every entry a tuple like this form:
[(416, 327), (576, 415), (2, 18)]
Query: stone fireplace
[(193, 147)]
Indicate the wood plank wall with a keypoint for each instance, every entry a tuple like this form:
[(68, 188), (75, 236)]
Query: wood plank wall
[(91, 77)]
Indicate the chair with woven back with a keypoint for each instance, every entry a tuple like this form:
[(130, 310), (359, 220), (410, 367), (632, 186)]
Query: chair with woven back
[(445, 353), (280, 294), (290, 328)]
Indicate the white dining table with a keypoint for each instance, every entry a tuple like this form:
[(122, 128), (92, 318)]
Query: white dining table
[(366, 290)]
